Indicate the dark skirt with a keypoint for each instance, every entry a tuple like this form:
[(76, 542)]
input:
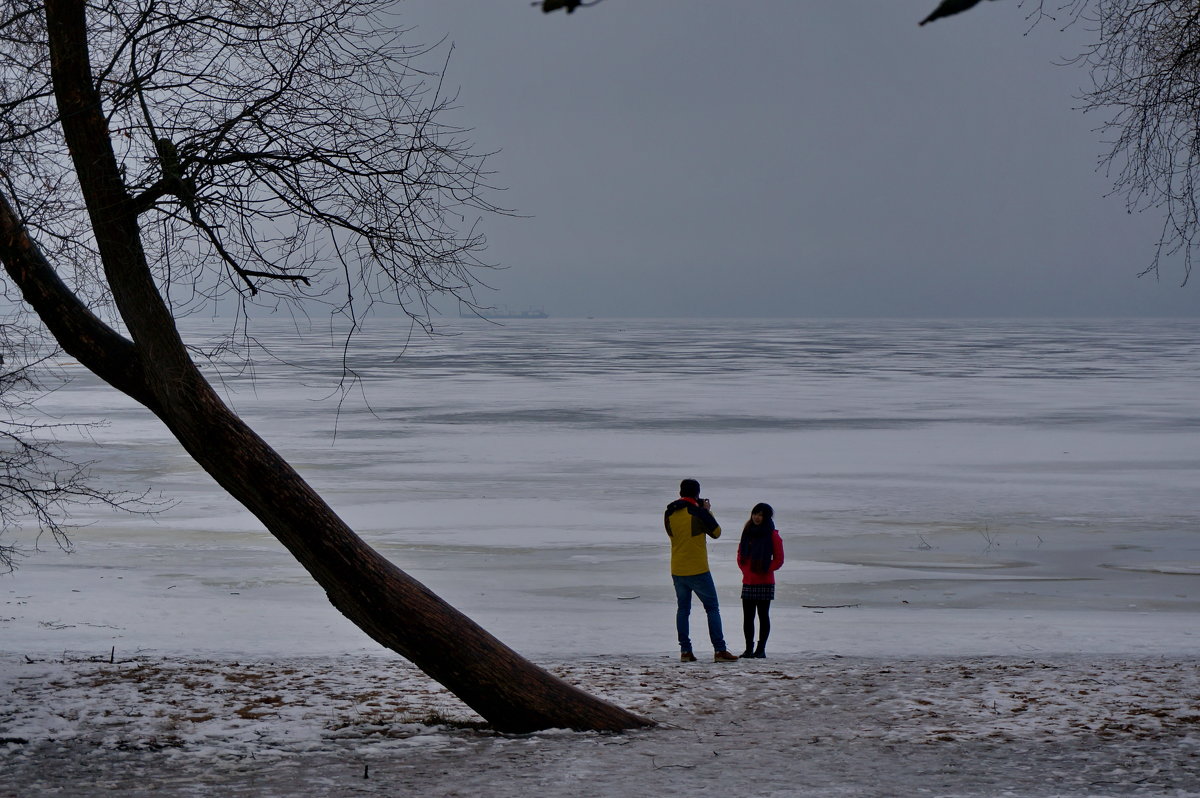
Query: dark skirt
[(758, 592)]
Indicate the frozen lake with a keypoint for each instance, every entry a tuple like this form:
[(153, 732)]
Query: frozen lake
[(966, 487)]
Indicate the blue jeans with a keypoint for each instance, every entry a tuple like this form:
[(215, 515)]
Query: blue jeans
[(702, 585)]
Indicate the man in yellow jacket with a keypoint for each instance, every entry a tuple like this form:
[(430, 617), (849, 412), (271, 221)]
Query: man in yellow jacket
[(689, 522)]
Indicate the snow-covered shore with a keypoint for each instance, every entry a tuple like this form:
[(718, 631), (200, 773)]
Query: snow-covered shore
[(785, 726), (950, 668)]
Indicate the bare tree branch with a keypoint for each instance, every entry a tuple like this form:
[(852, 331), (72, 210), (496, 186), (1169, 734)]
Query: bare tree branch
[(39, 486), (1145, 69), (191, 148)]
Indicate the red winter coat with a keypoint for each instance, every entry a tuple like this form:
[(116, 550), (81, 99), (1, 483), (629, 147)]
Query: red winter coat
[(750, 577)]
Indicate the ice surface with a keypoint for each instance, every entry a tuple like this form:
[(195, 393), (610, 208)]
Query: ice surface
[(1030, 484)]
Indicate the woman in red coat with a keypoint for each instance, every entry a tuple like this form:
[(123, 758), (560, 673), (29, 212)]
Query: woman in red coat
[(760, 555)]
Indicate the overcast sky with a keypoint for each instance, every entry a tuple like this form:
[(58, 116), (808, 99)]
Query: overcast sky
[(793, 158)]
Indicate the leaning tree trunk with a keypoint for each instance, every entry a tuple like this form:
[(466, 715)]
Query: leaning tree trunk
[(393, 608)]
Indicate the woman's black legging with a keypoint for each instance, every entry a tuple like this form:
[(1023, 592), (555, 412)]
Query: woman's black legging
[(763, 608)]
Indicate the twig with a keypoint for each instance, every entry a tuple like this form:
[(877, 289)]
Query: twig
[(828, 606), (986, 533)]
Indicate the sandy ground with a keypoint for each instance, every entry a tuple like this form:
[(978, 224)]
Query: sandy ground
[(784, 726)]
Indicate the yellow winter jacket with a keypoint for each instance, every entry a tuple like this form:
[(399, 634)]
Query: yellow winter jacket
[(687, 525)]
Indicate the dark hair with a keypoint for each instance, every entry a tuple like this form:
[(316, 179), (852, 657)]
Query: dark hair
[(757, 545), (689, 488), (765, 509)]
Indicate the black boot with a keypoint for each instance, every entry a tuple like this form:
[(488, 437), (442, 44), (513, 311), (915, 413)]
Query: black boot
[(749, 652), (761, 651)]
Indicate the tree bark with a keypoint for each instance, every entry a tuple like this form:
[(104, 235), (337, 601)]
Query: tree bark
[(394, 609)]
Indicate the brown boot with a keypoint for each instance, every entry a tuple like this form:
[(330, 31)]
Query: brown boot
[(724, 656)]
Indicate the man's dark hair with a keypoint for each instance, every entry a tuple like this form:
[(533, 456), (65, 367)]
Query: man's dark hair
[(689, 488)]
